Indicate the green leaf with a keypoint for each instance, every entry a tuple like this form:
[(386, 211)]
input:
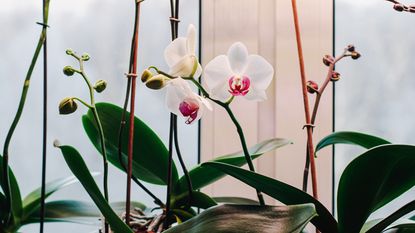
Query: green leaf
[(408, 208), (285, 193), (202, 176), (16, 205), (182, 215), (402, 228), (65, 211), (80, 170), (150, 158), (249, 219), (32, 201), (74, 211), (354, 138), (235, 200), (199, 200), (372, 180)]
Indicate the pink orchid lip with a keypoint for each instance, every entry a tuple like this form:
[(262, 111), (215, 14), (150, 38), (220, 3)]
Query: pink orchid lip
[(239, 86), (189, 108)]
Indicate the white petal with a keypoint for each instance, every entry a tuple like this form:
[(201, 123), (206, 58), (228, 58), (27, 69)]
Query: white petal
[(206, 103), (173, 100), (199, 71), (191, 40), (259, 71), (175, 51), (256, 95), (238, 57), (216, 75), (221, 93), (183, 67)]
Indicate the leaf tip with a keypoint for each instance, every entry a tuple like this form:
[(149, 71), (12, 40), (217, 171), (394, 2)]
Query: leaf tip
[(57, 143)]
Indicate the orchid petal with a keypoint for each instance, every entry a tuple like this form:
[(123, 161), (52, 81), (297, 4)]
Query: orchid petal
[(238, 57), (259, 71), (175, 51), (184, 67), (191, 40), (256, 95), (216, 75)]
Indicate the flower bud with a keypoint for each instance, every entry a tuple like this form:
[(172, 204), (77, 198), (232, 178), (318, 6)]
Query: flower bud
[(67, 106), (69, 52), (350, 48), (146, 75), (157, 82), (100, 86), (398, 7), (335, 76), (85, 57), (68, 70), (327, 60), (312, 87), (355, 55)]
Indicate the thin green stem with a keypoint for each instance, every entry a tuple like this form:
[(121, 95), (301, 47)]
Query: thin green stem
[(100, 131), (244, 147), (6, 179)]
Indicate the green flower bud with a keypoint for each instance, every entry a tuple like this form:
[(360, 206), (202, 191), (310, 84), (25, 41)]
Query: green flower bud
[(68, 70), (157, 82), (85, 57), (100, 86), (67, 106), (146, 75), (69, 52)]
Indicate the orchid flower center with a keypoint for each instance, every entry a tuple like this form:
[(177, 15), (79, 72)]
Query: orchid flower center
[(189, 108), (239, 85)]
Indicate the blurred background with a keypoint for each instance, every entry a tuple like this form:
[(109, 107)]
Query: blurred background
[(374, 95)]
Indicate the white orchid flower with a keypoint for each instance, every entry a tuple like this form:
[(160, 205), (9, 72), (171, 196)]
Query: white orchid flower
[(180, 55), (238, 74), (182, 101)]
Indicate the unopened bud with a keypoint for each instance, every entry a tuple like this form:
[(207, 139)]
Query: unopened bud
[(157, 82), (350, 48), (312, 87), (328, 60), (355, 55), (100, 86), (68, 70), (69, 52), (67, 106), (398, 7), (146, 75), (335, 76), (85, 57)]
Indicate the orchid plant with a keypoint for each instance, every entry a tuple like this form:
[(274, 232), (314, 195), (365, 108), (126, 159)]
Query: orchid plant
[(226, 77)]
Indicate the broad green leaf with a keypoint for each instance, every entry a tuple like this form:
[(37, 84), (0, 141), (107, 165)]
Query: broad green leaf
[(16, 205), (202, 176), (198, 199), (249, 219), (402, 228), (372, 180), (3, 205), (408, 208), (65, 211), (354, 138), (150, 158), (75, 211), (235, 200), (285, 193), (32, 201), (78, 167)]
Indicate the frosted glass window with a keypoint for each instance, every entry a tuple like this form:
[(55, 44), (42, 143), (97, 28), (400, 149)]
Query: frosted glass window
[(104, 30), (376, 92)]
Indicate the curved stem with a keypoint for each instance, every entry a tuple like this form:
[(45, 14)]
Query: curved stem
[(244, 147), (182, 164), (6, 179)]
